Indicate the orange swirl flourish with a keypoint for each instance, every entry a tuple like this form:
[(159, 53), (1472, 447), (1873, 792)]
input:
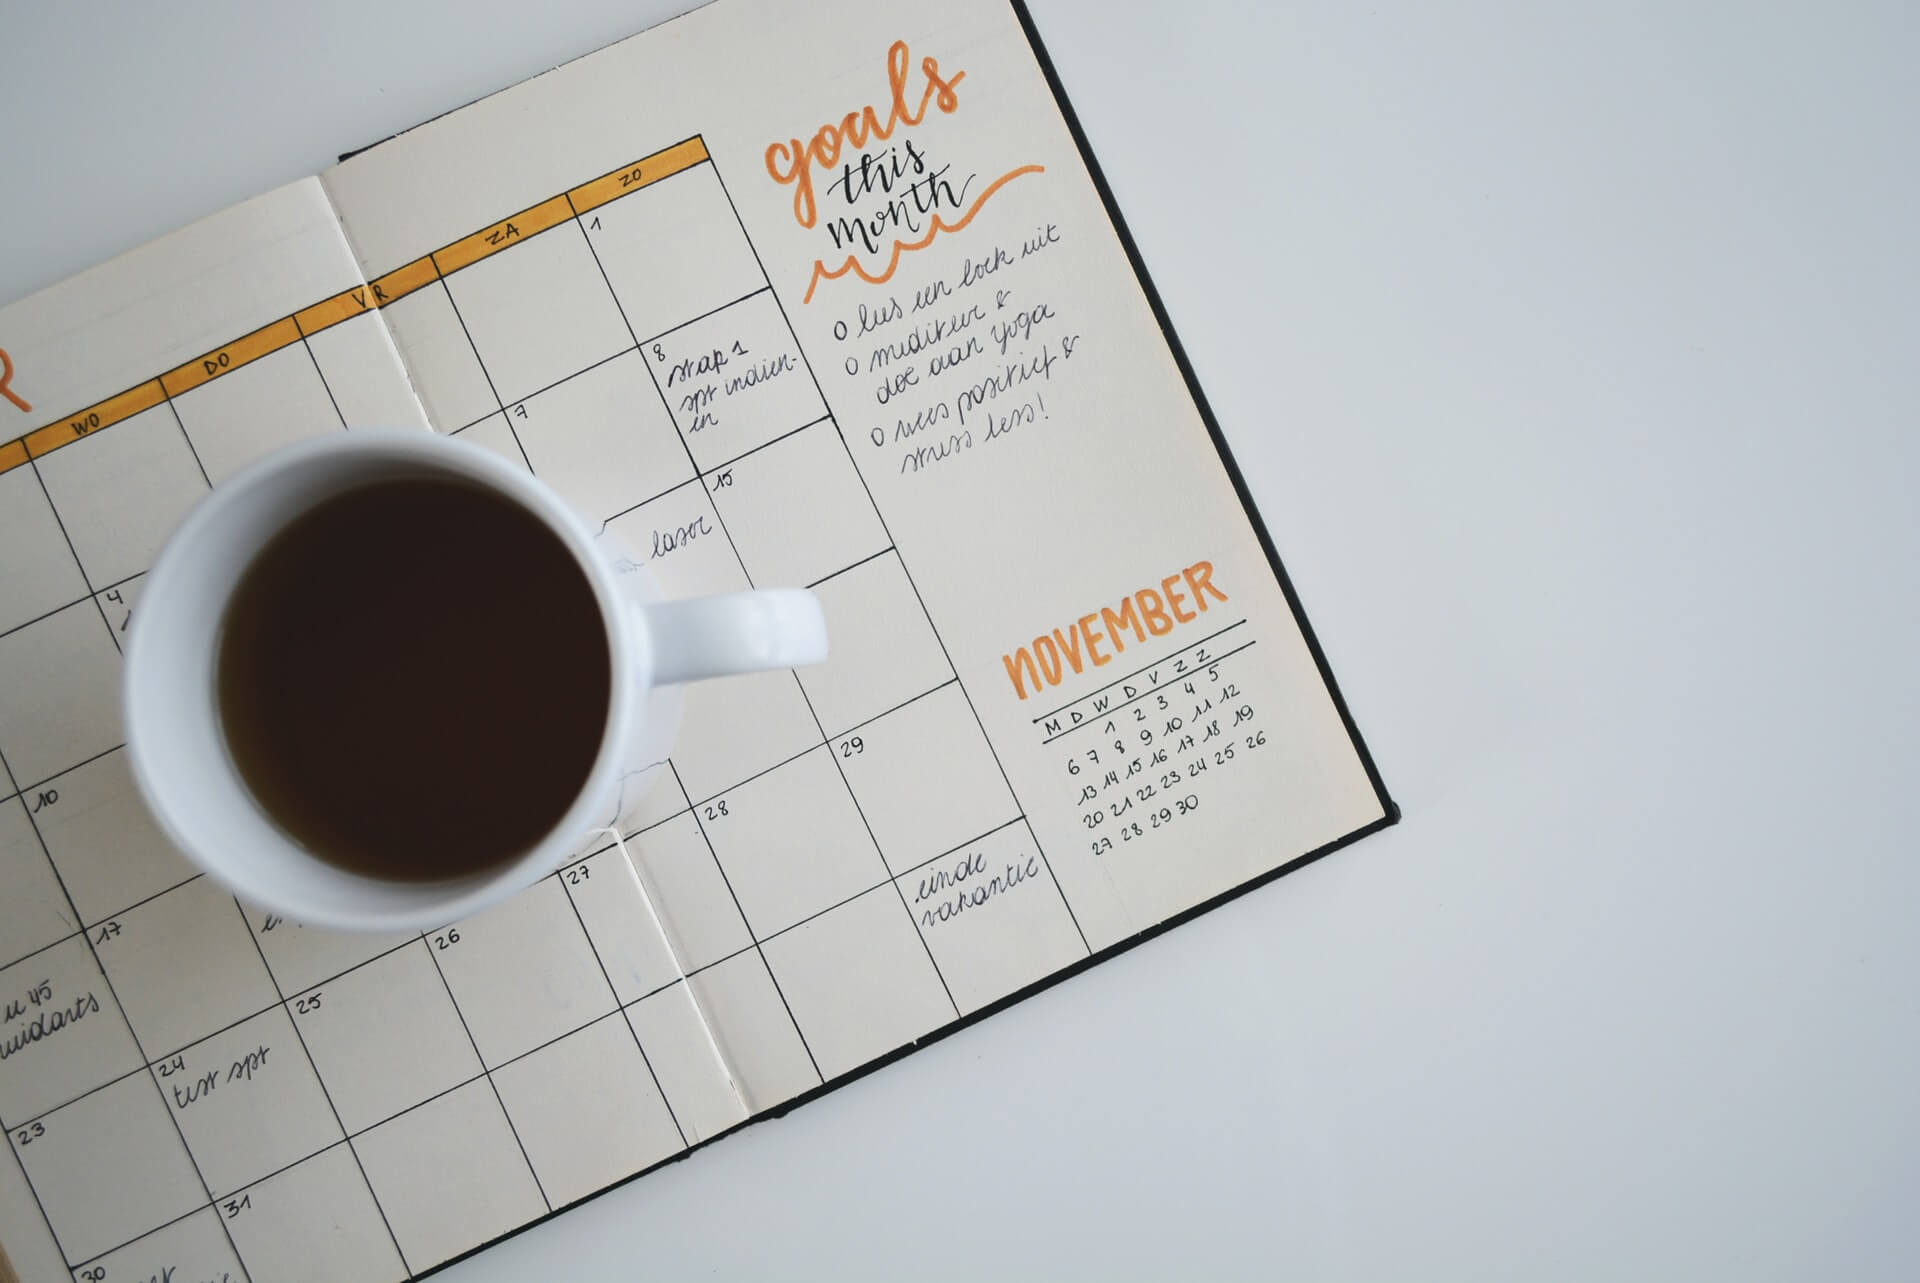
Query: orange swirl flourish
[(821, 272)]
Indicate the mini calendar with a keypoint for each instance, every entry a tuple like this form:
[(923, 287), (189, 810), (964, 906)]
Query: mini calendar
[(827, 296)]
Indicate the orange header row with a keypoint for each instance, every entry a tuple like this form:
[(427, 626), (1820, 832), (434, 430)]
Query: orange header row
[(348, 304)]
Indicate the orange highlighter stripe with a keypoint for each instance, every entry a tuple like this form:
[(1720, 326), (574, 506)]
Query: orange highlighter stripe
[(95, 417), (637, 175), (402, 281), (502, 235), (343, 306), (264, 341)]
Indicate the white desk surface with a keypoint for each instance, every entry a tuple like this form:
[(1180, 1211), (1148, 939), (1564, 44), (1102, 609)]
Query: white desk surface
[(1571, 352)]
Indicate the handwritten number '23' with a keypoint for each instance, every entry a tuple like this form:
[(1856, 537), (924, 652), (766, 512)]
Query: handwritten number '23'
[(6, 383)]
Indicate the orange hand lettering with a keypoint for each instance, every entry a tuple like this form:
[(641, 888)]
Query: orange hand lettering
[(793, 161), (6, 379), (821, 272)]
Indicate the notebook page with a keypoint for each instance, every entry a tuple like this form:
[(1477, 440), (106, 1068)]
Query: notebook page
[(774, 296)]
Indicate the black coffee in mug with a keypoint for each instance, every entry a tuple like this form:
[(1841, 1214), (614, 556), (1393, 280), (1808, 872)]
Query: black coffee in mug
[(414, 679)]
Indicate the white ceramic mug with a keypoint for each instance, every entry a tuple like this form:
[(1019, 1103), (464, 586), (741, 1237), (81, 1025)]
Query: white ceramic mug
[(178, 748)]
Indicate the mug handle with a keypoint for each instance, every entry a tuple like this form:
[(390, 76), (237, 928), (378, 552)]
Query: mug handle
[(741, 632)]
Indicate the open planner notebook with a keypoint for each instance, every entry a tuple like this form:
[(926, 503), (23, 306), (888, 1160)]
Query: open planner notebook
[(822, 295)]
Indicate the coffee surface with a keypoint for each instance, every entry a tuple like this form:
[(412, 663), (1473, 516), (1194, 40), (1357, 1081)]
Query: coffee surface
[(414, 678)]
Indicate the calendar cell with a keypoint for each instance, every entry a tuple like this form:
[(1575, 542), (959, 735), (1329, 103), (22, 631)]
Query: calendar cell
[(34, 912), (184, 966), (859, 981), (30, 1247), (522, 973), (797, 511), (666, 871), (422, 1049), (59, 693), (362, 370), (539, 312), (753, 1038), (64, 1031), (247, 1101), (791, 843), (450, 1175), (315, 1222), (103, 840), (917, 813), (121, 492), (35, 563), (602, 439), (439, 357), (734, 380), (884, 650), (712, 754), (587, 1110), (253, 411), (673, 251), (992, 917), (109, 1167)]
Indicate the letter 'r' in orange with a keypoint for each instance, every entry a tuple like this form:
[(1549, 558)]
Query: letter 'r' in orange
[(6, 383)]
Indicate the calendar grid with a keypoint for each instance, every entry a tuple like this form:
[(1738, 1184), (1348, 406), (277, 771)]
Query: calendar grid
[(93, 594), (147, 1068), (120, 1008), (620, 1010), (39, 1205), (825, 739), (652, 378), (868, 491), (794, 946), (500, 407), (485, 1071), (757, 947), (345, 1138)]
